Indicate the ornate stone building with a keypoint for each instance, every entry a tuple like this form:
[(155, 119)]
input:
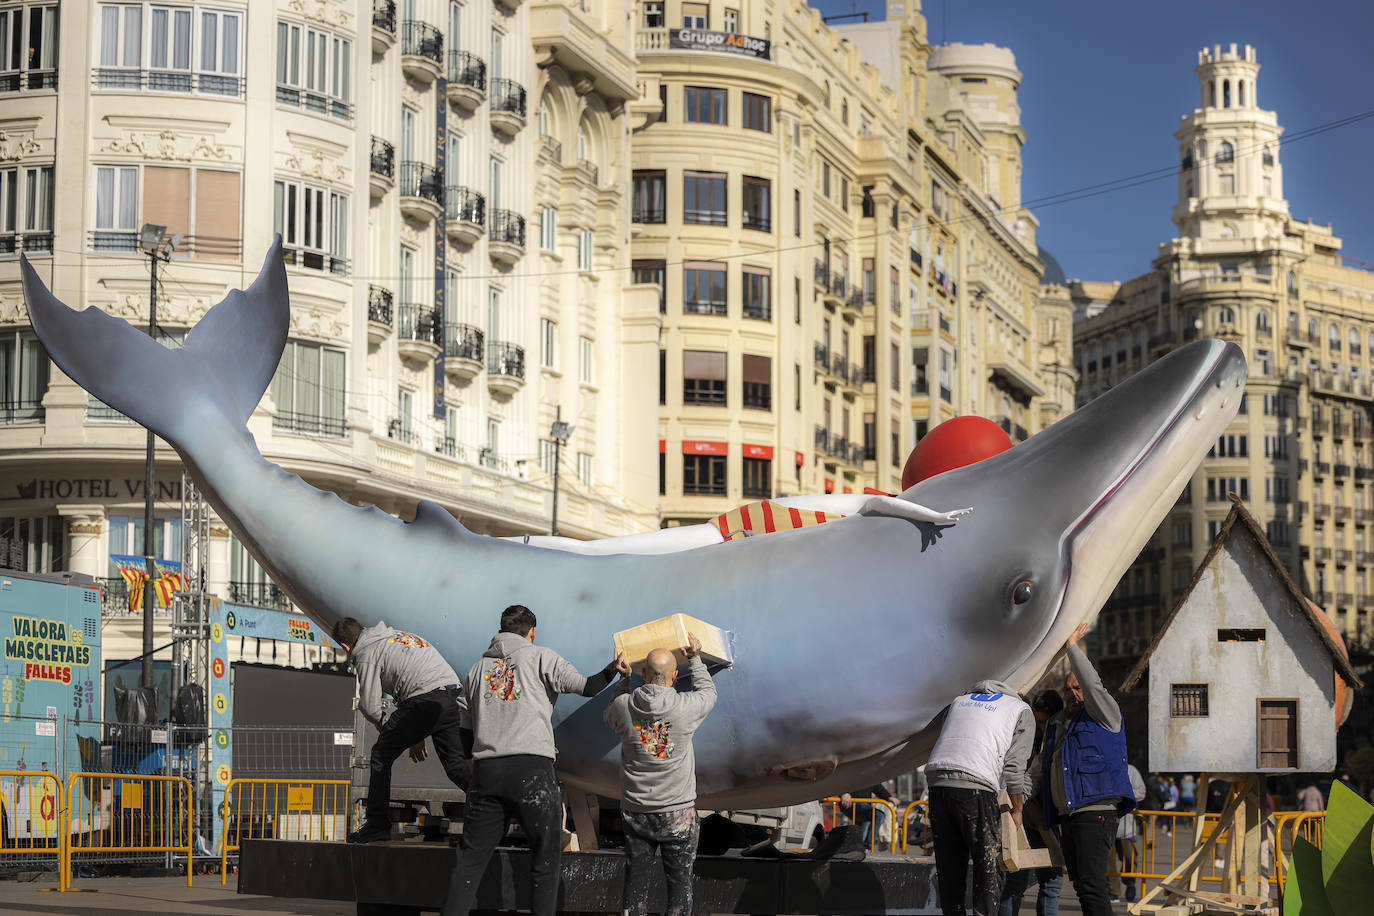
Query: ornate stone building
[(1243, 269), (451, 182)]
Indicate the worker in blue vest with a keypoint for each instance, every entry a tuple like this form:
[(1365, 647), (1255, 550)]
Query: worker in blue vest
[(1085, 782)]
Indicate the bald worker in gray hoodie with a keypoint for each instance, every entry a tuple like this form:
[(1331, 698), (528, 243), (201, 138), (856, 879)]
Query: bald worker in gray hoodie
[(658, 774)]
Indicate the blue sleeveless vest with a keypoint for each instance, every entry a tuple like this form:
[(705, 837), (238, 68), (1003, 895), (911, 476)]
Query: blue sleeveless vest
[(1094, 762)]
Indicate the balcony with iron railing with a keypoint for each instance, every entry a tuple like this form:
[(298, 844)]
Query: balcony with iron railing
[(379, 313), (505, 368), (258, 594), (417, 332), (552, 148), (383, 25), (30, 79), (1321, 554), (822, 275), (421, 187), (465, 216), (506, 237), (382, 167), (467, 80), (464, 350), (507, 106), (309, 424), (1342, 514), (28, 242), (422, 51)]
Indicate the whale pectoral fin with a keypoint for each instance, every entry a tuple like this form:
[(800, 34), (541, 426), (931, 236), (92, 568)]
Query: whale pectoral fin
[(896, 507)]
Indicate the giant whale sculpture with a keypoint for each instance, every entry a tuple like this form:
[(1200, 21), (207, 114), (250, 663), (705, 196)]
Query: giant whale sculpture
[(851, 636)]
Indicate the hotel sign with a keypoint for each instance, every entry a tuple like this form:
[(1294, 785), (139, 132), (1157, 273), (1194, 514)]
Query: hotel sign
[(719, 42)]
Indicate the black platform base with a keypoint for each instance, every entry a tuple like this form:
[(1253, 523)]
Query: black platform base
[(410, 878)]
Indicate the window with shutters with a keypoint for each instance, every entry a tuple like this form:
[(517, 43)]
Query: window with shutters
[(758, 476), (1278, 734), (703, 288), (1187, 700), (203, 206), (313, 223), (308, 390), (314, 70), (757, 376), (703, 377), (24, 372), (703, 475), (170, 48), (757, 300), (26, 204)]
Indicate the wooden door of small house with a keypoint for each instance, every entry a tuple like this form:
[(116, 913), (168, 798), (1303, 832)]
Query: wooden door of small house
[(1278, 734)]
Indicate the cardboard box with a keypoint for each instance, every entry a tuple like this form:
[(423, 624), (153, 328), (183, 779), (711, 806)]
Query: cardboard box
[(671, 633)]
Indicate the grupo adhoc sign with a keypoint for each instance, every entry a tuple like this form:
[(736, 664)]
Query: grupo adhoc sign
[(720, 42)]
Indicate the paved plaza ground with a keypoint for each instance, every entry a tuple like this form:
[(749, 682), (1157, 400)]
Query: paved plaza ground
[(122, 896)]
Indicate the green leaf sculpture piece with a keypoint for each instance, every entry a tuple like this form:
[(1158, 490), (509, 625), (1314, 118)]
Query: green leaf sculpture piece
[(1339, 878)]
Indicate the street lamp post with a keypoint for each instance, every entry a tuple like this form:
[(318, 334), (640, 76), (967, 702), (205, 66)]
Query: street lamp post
[(151, 241), (560, 432)]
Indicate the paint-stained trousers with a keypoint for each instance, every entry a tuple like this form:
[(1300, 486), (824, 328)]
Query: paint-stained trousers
[(674, 834), (522, 786), (966, 824), (435, 714)]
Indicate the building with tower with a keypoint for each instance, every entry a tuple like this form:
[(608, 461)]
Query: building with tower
[(1243, 269)]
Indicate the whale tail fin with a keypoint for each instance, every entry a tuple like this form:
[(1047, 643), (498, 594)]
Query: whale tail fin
[(226, 364)]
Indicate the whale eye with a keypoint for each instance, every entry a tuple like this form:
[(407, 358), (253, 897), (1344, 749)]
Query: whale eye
[(1022, 591)]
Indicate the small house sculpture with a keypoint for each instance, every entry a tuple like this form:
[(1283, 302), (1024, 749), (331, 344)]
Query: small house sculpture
[(1247, 677)]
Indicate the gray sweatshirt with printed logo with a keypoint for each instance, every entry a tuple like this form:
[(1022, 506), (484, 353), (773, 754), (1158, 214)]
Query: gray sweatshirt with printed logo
[(658, 770), (510, 696), (397, 663)]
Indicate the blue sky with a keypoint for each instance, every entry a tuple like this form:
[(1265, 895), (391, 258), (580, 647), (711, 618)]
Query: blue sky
[(1105, 83)]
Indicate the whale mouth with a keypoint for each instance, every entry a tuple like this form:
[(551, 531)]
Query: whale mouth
[(1106, 539)]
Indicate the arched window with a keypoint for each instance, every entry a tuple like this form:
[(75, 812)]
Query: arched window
[(1262, 320), (1267, 157), (1225, 93), (1371, 343), (827, 93), (582, 142), (1240, 93), (1226, 152), (1333, 338), (1226, 315), (1313, 330), (844, 112), (543, 119), (1292, 285), (1212, 93), (1354, 342)]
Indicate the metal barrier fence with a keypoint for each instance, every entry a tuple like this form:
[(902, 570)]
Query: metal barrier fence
[(919, 811), (1166, 838), (116, 816), (31, 812), (873, 803), (283, 809)]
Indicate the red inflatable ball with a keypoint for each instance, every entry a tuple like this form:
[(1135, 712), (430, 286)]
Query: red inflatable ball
[(953, 444)]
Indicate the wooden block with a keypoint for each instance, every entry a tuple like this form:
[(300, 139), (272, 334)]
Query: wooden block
[(671, 633), (1017, 853)]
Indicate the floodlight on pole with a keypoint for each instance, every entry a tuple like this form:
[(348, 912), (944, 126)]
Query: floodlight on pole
[(560, 432), (150, 240)]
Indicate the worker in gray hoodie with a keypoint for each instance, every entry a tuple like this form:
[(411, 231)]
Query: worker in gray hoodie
[(510, 696), (984, 746), (658, 774), (428, 701)]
